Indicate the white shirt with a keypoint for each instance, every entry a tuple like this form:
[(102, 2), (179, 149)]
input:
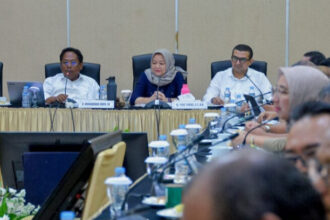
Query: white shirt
[(82, 88), (224, 79)]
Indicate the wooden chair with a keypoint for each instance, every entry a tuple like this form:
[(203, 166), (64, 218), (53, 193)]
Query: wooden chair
[(105, 164)]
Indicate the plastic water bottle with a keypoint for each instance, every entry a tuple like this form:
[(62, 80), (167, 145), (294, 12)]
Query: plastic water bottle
[(227, 95), (159, 149), (26, 98), (117, 188), (222, 118), (103, 92), (67, 215), (251, 91), (181, 167), (239, 102), (112, 88), (162, 137)]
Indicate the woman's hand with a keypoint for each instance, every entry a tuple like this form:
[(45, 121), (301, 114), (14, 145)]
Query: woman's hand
[(161, 96), (239, 139), (267, 115), (252, 124)]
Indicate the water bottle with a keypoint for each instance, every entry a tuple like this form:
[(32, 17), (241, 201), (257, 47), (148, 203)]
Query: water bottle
[(26, 98), (227, 95), (159, 149), (103, 92), (251, 91), (239, 102), (181, 167), (112, 89), (223, 117), (162, 137), (67, 215), (117, 187)]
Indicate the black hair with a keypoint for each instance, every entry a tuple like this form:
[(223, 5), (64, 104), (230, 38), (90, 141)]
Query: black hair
[(74, 50), (326, 62), (315, 57), (312, 108), (243, 47), (255, 183)]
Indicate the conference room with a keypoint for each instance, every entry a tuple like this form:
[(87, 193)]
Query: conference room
[(111, 33)]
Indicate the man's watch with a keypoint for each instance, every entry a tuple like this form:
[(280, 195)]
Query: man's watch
[(267, 128)]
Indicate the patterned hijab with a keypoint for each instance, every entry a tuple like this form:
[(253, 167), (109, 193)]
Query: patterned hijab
[(304, 83), (171, 70)]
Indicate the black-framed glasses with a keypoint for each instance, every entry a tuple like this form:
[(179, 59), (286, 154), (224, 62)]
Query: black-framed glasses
[(240, 59), (318, 171), (308, 153), (67, 63)]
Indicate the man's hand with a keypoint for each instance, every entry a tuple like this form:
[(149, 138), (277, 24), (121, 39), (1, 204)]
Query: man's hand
[(61, 98), (217, 101)]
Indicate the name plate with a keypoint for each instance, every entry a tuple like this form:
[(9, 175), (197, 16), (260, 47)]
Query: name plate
[(196, 104), (101, 104)]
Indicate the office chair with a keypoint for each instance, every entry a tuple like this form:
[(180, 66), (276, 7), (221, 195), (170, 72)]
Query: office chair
[(1, 67), (217, 66), (89, 69), (104, 167), (142, 62)]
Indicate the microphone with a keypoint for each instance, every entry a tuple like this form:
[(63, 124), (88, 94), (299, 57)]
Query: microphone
[(261, 99), (263, 123)]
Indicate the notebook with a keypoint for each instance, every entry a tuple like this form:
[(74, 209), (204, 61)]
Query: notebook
[(15, 92)]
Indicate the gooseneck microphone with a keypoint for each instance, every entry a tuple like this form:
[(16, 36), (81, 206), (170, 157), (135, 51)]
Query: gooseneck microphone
[(263, 123), (261, 94)]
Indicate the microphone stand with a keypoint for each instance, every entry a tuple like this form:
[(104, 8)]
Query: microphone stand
[(261, 99), (263, 123)]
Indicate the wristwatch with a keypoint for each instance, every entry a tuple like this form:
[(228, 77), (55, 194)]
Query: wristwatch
[(267, 128)]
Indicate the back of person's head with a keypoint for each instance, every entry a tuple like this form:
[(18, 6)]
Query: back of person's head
[(313, 108), (315, 57), (250, 184), (326, 62), (244, 47), (73, 50), (304, 83)]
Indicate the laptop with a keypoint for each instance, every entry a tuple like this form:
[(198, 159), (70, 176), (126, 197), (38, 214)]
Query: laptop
[(256, 109), (15, 89)]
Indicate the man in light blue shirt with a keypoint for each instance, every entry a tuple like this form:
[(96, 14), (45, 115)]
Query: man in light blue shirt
[(236, 78)]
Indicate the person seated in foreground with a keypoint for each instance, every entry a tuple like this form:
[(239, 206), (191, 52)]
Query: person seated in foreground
[(162, 81), (70, 83), (237, 78), (308, 138), (251, 185), (295, 86), (325, 66)]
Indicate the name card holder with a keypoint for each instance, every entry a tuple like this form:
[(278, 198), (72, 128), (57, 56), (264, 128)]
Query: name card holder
[(196, 104), (96, 104)]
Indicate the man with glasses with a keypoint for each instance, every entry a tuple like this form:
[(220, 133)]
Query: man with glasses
[(308, 145), (235, 78), (70, 83)]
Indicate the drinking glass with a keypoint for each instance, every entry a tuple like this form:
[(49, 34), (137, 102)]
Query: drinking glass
[(126, 95)]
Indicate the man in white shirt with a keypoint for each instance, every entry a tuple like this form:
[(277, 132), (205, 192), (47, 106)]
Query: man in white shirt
[(70, 83), (237, 78)]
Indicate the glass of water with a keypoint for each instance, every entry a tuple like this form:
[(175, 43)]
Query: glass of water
[(126, 95)]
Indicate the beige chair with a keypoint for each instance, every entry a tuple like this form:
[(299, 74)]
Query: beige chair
[(105, 164), (1, 183)]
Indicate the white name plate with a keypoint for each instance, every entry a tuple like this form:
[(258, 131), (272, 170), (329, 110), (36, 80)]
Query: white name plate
[(196, 104), (105, 104)]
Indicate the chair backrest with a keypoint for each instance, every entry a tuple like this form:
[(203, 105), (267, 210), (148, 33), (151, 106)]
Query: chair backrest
[(1, 67), (104, 166), (217, 66), (142, 62), (89, 69)]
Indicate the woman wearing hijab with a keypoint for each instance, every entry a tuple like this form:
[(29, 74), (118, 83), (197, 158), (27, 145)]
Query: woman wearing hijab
[(162, 74), (295, 85)]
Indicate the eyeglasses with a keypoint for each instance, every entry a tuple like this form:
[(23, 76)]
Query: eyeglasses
[(67, 63), (240, 59), (280, 90), (307, 154)]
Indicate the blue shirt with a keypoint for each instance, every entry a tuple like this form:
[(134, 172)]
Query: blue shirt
[(144, 88)]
